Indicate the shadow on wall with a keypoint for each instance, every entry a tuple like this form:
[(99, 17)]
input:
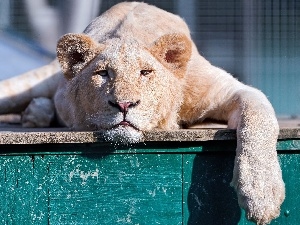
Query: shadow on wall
[(211, 199)]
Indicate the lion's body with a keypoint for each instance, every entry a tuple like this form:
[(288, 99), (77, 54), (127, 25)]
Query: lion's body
[(135, 68)]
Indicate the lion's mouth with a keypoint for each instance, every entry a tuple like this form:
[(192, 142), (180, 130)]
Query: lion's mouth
[(126, 123)]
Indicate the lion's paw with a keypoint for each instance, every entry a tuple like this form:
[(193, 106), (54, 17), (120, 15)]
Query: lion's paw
[(260, 189), (39, 113), (263, 210)]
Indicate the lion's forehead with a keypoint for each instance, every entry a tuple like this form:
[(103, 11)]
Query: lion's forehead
[(126, 55)]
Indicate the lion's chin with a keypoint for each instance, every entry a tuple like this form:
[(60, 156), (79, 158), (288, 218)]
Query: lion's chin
[(123, 135)]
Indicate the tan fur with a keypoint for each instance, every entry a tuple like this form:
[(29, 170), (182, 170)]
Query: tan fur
[(17, 92), (139, 59)]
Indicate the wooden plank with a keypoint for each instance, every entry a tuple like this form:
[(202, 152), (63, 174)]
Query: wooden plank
[(4, 190), (141, 148), (107, 148), (290, 165), (157, 183), (288, 145), (115, 189), (23, 191), (52, 136), (208, 197), (291, 145)]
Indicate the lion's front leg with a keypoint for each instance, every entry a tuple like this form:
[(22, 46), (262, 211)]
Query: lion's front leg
[(257, 176)]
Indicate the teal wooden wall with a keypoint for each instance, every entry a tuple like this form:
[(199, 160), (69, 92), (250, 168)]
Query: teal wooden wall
[(154, 183)]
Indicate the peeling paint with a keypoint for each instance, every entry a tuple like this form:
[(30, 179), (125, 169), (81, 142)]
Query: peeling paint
[(135, 162), (197, 200), (164, 190), (128, 218), (83, 174), (125, 220), (38, 217), (152, 193)]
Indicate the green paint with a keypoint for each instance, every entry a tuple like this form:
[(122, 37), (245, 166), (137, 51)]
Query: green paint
[(154, 183), (23, 190)]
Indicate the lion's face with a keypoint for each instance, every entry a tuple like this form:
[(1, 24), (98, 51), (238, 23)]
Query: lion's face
[(123, 88)]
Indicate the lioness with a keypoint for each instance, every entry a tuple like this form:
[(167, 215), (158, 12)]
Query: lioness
[(135, 68)]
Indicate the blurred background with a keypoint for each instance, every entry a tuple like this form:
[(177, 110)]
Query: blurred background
[(256, 41)]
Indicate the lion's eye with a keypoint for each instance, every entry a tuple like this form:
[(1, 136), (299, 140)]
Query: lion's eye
[(102, 73), (146, 72)]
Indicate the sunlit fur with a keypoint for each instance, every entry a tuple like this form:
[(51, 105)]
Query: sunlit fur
[(181, 88)]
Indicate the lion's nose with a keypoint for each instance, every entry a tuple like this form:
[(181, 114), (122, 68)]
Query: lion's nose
[(124, 106)]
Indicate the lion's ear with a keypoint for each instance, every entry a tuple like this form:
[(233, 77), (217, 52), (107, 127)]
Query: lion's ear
[(75, 51), (173, 51)]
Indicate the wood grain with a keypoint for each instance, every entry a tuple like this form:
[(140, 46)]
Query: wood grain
[(153, 183)]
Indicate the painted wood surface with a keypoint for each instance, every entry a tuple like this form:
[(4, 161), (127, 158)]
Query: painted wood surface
[(150, 183)]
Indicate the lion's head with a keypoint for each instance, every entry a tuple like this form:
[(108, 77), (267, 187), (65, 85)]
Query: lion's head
[(121, 86)]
